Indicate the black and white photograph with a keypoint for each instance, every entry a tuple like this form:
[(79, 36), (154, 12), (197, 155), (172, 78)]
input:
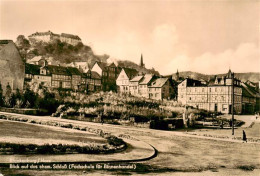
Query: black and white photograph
[(129, 87)]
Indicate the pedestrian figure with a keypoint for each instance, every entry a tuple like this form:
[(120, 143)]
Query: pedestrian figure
[(256, 116), (244, 136)]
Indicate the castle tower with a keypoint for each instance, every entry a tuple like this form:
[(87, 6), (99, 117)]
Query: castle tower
[(141, 61)]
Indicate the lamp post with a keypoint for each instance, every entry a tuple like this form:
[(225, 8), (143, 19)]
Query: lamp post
[(232, 99)]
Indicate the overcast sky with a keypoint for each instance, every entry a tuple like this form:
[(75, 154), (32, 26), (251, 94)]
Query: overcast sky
[(191, 35)]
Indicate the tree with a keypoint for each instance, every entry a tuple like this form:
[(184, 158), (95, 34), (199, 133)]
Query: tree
[(1, 96), (8, 91), (22, 42), (29, 98)]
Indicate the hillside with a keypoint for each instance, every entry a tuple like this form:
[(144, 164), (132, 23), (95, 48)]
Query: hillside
[(130, 64), (251, 76), (61, 52)]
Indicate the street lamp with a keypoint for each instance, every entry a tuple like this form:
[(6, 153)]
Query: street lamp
[(232, 99)]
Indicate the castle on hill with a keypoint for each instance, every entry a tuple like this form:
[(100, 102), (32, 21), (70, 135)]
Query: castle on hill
[(50, 36)]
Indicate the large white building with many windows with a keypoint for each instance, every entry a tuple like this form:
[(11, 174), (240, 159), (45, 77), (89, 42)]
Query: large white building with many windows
[(215, 95)]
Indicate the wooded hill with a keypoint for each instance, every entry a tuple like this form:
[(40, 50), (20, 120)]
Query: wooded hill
[(64, 53), (251, 76)]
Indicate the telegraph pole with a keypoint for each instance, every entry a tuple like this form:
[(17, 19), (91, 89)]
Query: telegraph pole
[(232, 99)]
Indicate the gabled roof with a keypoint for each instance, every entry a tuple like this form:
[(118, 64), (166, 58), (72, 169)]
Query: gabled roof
[(130, 72), (111, 65), (95, 75), (146, 79), (32, 69), (159, 82), (102, 65), (136, 79)]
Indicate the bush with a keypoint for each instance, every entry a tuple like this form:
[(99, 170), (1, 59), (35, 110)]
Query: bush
[(112, 140), (175, 114), (159, 124), (140, 118)]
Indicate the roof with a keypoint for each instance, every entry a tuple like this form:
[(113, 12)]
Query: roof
[(58, 70), (247, 89), (73, 71), (32, 69), (70, 36), (35, 59), (146, 79), (5, 41), (136, 79), (111, 64), (102, 65), (213, 80), (159, 82), (193, 82), (95, 75), (246, 93), (130, 72)]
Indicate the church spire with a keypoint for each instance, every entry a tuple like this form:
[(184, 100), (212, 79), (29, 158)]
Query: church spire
[(141, 61)]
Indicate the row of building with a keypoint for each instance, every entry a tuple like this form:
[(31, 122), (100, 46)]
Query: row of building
[(50, 36), (148, 85), (216, 94)]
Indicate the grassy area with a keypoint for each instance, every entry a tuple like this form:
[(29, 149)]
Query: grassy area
[(36, 134)]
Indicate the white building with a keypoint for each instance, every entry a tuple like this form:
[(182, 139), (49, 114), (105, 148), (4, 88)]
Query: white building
[(143, 85), (160, 89), (213, 96), (134, 85), (123, 79)]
